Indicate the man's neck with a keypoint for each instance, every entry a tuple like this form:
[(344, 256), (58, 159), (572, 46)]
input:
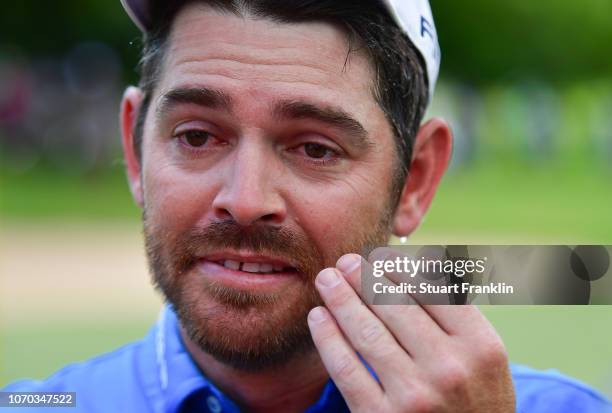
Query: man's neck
[(292, 387)]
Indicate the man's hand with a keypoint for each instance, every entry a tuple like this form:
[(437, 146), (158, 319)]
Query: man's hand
[(428, 358)]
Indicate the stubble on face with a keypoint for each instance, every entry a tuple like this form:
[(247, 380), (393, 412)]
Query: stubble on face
[(243, 329)]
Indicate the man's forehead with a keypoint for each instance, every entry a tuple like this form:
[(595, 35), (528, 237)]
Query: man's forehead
[(214, 21), (295, 50)]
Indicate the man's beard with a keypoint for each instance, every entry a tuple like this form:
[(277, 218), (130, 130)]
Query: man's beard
[(244, 329)]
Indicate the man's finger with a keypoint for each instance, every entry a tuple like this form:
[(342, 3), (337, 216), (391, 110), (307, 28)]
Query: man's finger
[(359, 389), (364, 330), (410, 324), (461, 320)]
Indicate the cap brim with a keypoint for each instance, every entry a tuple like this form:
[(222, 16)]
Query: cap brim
[(139, 12)]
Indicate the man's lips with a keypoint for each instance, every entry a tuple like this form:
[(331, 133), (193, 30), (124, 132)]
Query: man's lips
[(251, 263), (246, 271)]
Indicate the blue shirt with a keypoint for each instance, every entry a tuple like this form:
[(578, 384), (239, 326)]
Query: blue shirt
[(157, 374)]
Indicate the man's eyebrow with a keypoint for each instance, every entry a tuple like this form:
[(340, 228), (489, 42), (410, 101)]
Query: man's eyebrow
[(332, 116), (201, 96)]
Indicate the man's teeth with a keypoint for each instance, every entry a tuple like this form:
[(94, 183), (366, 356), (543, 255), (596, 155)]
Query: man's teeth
[(265, 267), (232, 265), (252, 266)]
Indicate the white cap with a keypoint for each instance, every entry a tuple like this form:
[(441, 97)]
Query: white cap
[(414, 17)]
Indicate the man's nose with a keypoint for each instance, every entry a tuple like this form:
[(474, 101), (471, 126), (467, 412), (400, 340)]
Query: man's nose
[(249, 191)]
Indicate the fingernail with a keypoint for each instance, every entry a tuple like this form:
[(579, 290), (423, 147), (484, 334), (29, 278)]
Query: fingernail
[(348, 263), (316, 315), (328, 278)]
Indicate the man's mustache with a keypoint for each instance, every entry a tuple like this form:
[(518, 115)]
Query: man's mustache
[(281, 242)]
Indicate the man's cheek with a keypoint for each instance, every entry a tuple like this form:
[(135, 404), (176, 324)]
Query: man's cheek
[(338, 233), (170, 200)]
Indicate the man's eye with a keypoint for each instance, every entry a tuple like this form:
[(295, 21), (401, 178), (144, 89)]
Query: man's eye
[(194, 138), (317, 151)]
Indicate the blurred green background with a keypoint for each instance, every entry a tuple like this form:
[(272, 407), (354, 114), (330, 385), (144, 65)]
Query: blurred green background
[(526, 86)]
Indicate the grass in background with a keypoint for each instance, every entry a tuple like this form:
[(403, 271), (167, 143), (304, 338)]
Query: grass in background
[(38, 349), (563, 204), (46, 194)]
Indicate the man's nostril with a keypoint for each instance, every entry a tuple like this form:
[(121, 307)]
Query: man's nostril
[(270, 218), (222, 213)]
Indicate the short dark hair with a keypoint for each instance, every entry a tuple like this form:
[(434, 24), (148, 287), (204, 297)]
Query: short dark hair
[(400, 86)]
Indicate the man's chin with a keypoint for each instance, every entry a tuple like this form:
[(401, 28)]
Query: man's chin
[(245, 330), (254, 353)]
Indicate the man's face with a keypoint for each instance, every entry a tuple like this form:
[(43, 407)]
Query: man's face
[(265, 157)]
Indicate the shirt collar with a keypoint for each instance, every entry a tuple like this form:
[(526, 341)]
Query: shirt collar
[(173, 381)]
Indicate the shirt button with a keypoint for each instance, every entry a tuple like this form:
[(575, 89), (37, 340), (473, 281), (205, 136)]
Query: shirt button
[(213, 404)]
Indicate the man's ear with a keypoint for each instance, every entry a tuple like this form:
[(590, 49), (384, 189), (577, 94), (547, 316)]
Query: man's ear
[(430, 158), (130, 106)]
